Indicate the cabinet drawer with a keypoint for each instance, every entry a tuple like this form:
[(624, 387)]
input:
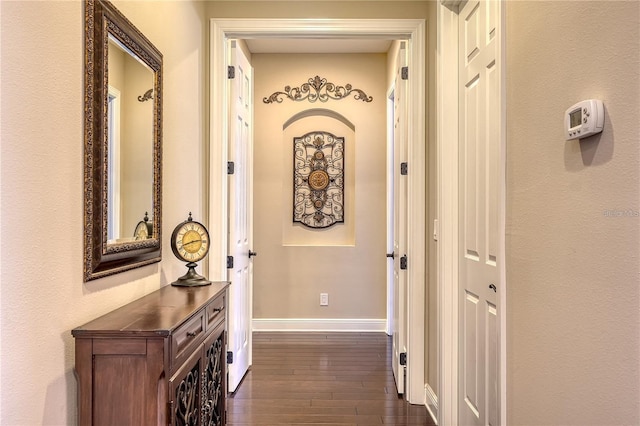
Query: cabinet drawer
[(215, 312), (187, 336)]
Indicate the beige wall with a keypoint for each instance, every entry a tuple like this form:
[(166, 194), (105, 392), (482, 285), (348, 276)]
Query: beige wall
[(573, 311), (319, 9), (296, 263), (43, 296)]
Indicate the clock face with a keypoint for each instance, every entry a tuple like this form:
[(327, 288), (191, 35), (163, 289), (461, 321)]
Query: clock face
[(190, 241), (141, 232)]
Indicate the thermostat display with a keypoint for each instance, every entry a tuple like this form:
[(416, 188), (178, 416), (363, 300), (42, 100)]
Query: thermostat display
[(584, 119)]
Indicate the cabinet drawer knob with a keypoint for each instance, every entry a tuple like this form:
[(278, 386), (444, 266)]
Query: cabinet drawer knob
[(217, 309), (191, 334)]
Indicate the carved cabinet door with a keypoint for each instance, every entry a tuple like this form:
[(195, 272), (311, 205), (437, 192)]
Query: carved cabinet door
[(214, 386), (185, 392), (197, 389)]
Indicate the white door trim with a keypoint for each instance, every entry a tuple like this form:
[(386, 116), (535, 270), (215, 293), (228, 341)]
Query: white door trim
[(412, 29), (447, 147)]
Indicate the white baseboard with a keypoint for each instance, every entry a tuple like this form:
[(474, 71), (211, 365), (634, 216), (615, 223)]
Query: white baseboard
[(431, 402), (319, 324)]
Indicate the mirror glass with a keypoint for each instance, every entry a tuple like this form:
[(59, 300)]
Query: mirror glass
[(130, 144), (123, 144)]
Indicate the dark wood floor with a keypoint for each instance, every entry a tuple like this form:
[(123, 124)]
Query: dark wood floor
[(321, 379)]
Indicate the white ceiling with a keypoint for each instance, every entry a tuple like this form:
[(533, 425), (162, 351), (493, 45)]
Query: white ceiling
[(315, 45)]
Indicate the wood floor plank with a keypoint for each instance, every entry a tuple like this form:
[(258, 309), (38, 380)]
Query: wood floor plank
[(328, 379)]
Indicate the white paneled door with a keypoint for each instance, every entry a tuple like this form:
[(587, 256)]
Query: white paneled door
[(479, 168), (400, 323), (240, 217)]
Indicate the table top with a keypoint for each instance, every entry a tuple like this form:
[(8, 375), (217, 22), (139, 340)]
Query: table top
[(158, 313)]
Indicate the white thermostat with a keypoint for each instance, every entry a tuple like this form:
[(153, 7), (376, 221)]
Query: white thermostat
[(584, 119)]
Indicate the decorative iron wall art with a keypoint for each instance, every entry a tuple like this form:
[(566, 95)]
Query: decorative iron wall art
[(318, 179), (147, 95), (315, 89)]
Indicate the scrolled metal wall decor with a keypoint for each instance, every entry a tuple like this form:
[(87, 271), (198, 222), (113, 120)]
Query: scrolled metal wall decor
[(318, 179), (147, 96), (315, 89)]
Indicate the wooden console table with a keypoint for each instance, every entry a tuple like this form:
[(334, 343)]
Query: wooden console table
[(159, 360)]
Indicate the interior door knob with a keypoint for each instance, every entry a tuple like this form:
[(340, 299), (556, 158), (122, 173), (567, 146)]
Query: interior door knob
[(392, 255), (493, 287), (252, 253)]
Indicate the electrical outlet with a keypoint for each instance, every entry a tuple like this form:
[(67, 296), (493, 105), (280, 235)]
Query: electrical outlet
[(324, 299)]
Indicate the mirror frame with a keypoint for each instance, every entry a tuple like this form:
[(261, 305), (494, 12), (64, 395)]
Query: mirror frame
[(102, 259)]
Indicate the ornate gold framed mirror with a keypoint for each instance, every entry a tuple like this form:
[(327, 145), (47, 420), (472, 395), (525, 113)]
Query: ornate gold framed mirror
[(122, 144)]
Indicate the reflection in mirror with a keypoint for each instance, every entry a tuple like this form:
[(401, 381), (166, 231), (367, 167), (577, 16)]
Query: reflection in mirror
[(130, 142), (123, 144)]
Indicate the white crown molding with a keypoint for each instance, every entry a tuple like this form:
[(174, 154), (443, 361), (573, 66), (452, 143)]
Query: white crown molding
[(311, 28)]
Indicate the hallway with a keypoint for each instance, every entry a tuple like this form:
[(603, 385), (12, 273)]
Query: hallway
[(321, 378)]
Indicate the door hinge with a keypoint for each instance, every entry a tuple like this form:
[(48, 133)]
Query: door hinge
[(231, 167), (229, 357), (403, 358), (231, 72), (405, 73), (403, 262), (404, 168), (229, 262)]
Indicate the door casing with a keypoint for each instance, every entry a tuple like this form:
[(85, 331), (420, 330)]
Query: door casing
[(413, 30)]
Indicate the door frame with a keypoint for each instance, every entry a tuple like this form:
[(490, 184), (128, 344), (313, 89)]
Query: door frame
[(413, 30), (448, 208)]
